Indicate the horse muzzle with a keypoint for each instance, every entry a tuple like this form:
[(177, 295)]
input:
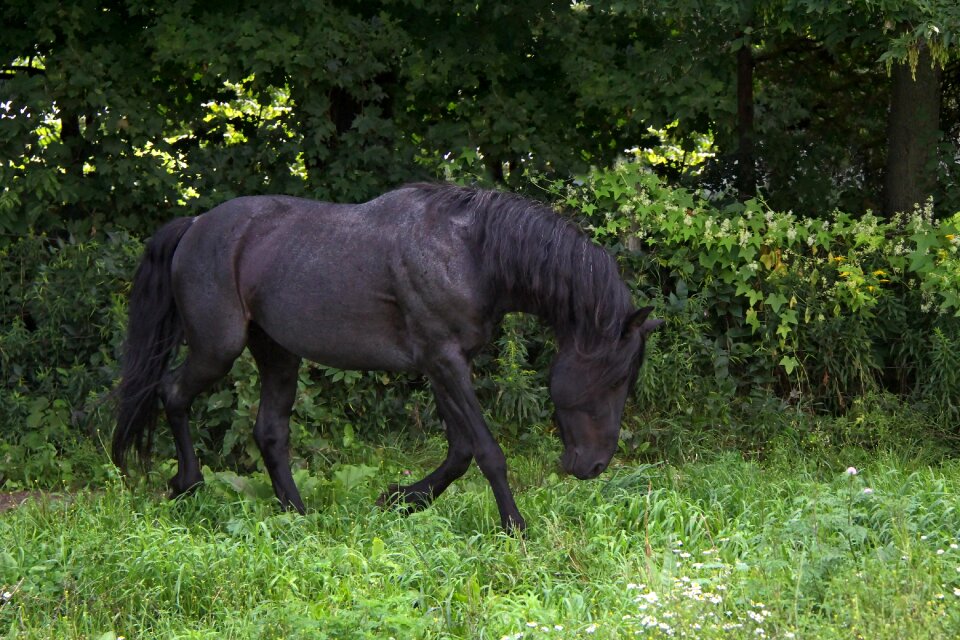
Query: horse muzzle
[(582, 465)]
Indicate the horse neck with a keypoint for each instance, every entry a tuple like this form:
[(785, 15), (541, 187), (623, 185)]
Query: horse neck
[(571, 285)]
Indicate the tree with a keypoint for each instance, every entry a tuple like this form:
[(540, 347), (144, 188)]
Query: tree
[(129, 112), (913, 134), (923, 43)]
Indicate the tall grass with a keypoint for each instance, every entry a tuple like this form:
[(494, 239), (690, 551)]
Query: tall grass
[(726, 547)]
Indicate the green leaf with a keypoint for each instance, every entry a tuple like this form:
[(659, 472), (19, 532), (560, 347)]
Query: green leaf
[(753, 295), (347, 435), (789, 363), (783, 330), (350, 476), (775, 301)]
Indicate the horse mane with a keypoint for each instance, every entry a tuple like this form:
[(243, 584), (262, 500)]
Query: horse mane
[(545, 260)]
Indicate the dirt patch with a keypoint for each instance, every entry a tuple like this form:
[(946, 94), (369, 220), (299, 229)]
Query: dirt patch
[(16, 498)]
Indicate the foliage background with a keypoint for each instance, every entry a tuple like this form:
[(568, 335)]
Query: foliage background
[(736, 157)]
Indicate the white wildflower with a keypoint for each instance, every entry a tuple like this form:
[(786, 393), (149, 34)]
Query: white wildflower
[(851, 471)]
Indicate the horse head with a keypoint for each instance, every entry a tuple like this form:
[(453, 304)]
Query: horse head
[(589, 391)]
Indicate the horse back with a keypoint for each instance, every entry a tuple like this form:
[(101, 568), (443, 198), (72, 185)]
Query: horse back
[(370, 286)]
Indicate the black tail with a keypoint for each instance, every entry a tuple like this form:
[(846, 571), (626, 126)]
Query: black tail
[(153, 333)]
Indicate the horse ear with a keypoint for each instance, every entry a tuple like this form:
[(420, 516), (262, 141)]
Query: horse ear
[(640, 321)]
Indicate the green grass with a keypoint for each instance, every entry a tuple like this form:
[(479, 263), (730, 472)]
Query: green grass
[(723, 547)]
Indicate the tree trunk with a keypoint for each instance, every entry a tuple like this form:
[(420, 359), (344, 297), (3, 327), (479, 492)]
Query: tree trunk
[(913, 130), (746, 167)]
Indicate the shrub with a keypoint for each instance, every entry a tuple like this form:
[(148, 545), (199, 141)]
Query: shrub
[(766, 310), (61, 318), (815, 311)]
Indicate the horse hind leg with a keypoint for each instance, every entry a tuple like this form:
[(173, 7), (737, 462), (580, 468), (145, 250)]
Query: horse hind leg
[(278, 389), (180, 387)]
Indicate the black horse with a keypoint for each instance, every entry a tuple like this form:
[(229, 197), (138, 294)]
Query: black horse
[(415, 280)]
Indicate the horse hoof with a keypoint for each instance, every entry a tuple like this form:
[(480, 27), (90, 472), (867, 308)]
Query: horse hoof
[(178, 490), (391, 497), (515, 526), (403, 499)]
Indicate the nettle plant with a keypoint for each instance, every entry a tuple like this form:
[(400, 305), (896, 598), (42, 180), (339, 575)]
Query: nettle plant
[(818, 309)]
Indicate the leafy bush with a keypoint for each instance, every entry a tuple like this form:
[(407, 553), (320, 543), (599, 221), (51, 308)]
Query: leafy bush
[(816, 311), (62, 313), (765, 311)]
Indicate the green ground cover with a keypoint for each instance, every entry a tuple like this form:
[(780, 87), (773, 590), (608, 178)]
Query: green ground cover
[(789, 545)]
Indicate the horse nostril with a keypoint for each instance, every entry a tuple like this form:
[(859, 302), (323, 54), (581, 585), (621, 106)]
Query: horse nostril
[(597, 469)]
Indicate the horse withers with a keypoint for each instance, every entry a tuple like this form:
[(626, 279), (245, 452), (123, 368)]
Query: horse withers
[(415, 280)]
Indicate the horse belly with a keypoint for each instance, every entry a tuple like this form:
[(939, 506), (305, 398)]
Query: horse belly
[(344, 346), (336, 326)]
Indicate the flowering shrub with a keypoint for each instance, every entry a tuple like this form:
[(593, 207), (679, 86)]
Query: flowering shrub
[(816, 309)]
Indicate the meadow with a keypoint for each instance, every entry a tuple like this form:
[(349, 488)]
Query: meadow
[(800, 542)]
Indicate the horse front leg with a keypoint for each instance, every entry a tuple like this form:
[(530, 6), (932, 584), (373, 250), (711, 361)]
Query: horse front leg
[(450, 376), (420, 494)]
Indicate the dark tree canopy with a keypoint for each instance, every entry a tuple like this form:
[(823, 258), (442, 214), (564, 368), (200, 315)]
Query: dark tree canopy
[(119, 111)]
